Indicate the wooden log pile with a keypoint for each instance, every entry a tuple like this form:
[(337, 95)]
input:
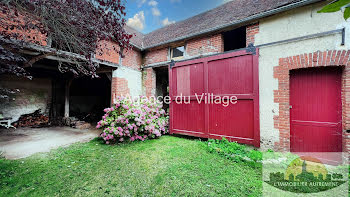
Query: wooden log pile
[(75, 123), (82, 125), (35, 119)]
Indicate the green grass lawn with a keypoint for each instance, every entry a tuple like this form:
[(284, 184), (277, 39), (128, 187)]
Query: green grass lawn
[(169, 166)]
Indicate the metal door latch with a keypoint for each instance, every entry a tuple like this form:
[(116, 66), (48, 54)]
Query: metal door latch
[(172, 64)]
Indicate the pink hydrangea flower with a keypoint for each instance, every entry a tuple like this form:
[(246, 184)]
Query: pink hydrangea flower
[(129, 126), (138, 121)]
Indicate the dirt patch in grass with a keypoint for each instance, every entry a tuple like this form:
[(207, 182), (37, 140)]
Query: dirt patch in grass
[(23, 142)]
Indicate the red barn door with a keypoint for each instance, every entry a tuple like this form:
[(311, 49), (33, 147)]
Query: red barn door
[(229, 74), (315, 114)]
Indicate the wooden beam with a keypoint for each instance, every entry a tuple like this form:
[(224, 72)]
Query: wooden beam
[(37, 58), (66, 97), (109, 76), (104, 70), (47, 49)]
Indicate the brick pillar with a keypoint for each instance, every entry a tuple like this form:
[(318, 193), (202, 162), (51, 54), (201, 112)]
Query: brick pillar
[(251, 30), (119, 87), (346, 107), (149, 82)]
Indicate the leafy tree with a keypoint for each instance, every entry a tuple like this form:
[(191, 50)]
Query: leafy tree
[(336, 6), (75, 26)]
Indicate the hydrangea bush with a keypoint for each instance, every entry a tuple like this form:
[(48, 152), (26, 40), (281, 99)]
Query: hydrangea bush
[(128, 120)]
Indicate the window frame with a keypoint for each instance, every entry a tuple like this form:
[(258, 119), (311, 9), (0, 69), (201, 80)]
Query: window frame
[(171, 52)]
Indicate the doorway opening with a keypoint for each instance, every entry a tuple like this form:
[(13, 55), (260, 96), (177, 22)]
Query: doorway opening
[(88, 97), (235, 39), (162, 84)]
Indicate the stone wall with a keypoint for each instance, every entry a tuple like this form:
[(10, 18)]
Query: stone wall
[(33, 95)]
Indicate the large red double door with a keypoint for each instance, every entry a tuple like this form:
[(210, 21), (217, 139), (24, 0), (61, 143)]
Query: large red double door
[(228, 76)]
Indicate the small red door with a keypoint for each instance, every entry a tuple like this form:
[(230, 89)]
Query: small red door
[(315, 111)]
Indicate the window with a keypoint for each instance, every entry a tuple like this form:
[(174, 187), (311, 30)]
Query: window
[(177, 53), (235, 39)]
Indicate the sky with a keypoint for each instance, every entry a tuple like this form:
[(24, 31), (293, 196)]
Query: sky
[(149, 15)]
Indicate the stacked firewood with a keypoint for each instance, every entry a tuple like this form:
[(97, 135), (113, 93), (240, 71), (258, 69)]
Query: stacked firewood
[(82, 125), (35, 119), (75, 123)]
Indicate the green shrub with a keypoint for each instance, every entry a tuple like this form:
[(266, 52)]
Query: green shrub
[(234, 151)]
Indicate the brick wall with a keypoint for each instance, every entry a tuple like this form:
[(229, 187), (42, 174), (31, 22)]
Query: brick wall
[(251, 30), (281, 96), (33, 95), (119, 87), (205, 45), (149, 82), (33, 36), (155, 56), (132, 59), (108, 51), (346, 104), (201, 46)]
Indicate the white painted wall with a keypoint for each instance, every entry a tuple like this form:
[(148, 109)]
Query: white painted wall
[(33, 95), (298, 22), (134, 78)]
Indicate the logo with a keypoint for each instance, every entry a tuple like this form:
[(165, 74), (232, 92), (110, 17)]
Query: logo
[(305, 174)]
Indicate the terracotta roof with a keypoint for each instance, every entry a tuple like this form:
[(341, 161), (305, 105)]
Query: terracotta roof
[(219, 17), (138, 37)]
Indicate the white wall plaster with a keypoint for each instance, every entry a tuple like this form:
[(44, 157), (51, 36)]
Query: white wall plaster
[(134, 78), (299, 22)]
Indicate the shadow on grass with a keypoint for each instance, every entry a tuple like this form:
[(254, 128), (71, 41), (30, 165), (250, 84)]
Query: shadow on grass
[(188, 137)]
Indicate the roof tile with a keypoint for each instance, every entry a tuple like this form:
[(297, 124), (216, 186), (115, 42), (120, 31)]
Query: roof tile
[(231, 12)]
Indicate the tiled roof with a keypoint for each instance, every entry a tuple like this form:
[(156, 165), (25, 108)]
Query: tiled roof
[(226, 14), (138, 37)]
